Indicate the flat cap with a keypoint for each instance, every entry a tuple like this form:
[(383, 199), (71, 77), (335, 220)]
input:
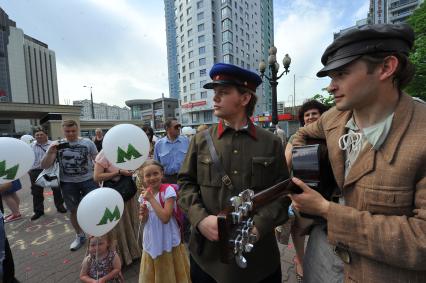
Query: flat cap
[(227, 74), (368, 39)]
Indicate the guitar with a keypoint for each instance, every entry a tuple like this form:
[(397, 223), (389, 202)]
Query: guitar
[(235, 222)]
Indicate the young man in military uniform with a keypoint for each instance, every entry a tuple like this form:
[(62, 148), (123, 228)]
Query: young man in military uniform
[(375, 137), (253, 158)]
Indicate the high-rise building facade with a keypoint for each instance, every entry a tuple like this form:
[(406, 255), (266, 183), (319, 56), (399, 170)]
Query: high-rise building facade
[(27, 72), (170, 11), (391, 11), (206, 32)]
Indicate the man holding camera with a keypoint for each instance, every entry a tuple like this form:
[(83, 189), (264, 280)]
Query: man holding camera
[(75, 156), (40, 148)]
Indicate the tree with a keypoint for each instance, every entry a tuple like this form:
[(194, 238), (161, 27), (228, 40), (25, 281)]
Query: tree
[(417, 21), (326, 99)]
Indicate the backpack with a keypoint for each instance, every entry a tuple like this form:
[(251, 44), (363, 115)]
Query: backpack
[(177, 212)]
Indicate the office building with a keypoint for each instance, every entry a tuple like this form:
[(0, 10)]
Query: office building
[(102, 111), (27, 72), (208, 32), (154, 112)]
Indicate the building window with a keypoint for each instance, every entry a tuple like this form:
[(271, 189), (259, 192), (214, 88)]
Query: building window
[(202, 61), (203, 72), (227, 47), (200, 16), (190, 43), (200, 4), (184, 89), (188, 11), (192, 86), (208, 116), (191, 65), (183, 58), (189, 32), (227, 24), (203, 94), (182, 48), (200, 27), (191, 76), (201, 39), (193, 97), (226, 12), (183, 69), (185, 99), (227, 36), (191, 54), (201, 50), (202, 83), (184, 78), (228, 59), (182, 38), (195, 117), (189, 21)]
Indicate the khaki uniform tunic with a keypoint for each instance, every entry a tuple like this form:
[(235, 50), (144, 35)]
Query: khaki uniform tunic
[(253, 158)]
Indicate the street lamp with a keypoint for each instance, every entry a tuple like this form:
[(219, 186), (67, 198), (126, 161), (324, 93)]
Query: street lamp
[(91, 99), (273, 79)]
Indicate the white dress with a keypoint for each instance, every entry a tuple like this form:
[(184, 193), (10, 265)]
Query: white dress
[(157, 236)]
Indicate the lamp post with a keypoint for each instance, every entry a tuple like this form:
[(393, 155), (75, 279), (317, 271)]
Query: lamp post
[(274, 77), (91, 99)]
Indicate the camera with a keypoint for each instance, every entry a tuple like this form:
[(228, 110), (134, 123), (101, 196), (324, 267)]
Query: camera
[(63, 145)]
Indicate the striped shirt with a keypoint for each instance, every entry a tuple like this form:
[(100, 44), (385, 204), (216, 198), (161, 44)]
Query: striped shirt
[(39, 152)]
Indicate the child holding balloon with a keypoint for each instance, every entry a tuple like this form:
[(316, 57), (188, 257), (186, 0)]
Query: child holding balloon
[(103, 265), (164, 257)]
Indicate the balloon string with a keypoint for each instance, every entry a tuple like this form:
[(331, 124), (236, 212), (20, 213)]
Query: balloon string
[(97, 263)]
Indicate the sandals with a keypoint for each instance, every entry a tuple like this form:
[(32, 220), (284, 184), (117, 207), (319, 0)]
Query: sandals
[(299, 277), (12, 217)]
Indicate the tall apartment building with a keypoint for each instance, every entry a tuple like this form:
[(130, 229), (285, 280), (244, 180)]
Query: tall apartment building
[(102, 111), (27, 72), (386, 12), (391, 11), (207, 32)]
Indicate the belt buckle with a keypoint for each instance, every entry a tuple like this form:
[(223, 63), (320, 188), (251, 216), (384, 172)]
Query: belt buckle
[(227, 181), (343, 253)]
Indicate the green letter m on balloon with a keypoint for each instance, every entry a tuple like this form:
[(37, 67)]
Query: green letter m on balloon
[(110, 216), (123, 156), (9, 173)]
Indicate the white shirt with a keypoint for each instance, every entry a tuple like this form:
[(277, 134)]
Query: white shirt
[(157, 236)]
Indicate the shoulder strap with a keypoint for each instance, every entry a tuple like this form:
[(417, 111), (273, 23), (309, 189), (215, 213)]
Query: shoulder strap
[(225, 178), (162, 191)]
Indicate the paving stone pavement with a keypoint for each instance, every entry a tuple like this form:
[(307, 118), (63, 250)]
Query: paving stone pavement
[(41, 248)]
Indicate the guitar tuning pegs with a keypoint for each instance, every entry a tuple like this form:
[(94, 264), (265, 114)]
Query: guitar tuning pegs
[(248, 247), (241, 261)]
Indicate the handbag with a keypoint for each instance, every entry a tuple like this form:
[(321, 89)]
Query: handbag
[(49, 178), (125, 186)]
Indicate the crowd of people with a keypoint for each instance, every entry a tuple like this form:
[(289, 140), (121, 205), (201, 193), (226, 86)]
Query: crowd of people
[(371, 229)]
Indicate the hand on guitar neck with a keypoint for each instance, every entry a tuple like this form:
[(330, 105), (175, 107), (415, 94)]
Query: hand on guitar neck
[(208, 227)]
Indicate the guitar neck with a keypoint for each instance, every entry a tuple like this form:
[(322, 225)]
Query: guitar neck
[(268, 195)]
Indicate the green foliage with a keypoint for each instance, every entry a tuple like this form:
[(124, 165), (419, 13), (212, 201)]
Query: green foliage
[(326, 99), (418, 56)]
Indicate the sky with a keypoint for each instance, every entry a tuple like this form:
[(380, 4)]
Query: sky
[(119, 46)]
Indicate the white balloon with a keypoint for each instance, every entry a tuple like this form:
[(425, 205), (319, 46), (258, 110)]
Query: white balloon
[(16, 159), (27, 138), (126, 146), (99, 211), (186, 131)]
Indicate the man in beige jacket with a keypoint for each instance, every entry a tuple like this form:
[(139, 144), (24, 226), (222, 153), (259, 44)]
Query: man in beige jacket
[(376, 140)]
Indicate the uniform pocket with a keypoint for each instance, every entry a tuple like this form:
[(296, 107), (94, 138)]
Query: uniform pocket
[(260, 171), (389, 202), (206, 173)]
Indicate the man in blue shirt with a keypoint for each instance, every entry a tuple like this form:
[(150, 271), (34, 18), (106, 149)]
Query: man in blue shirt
[(170, 150)]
